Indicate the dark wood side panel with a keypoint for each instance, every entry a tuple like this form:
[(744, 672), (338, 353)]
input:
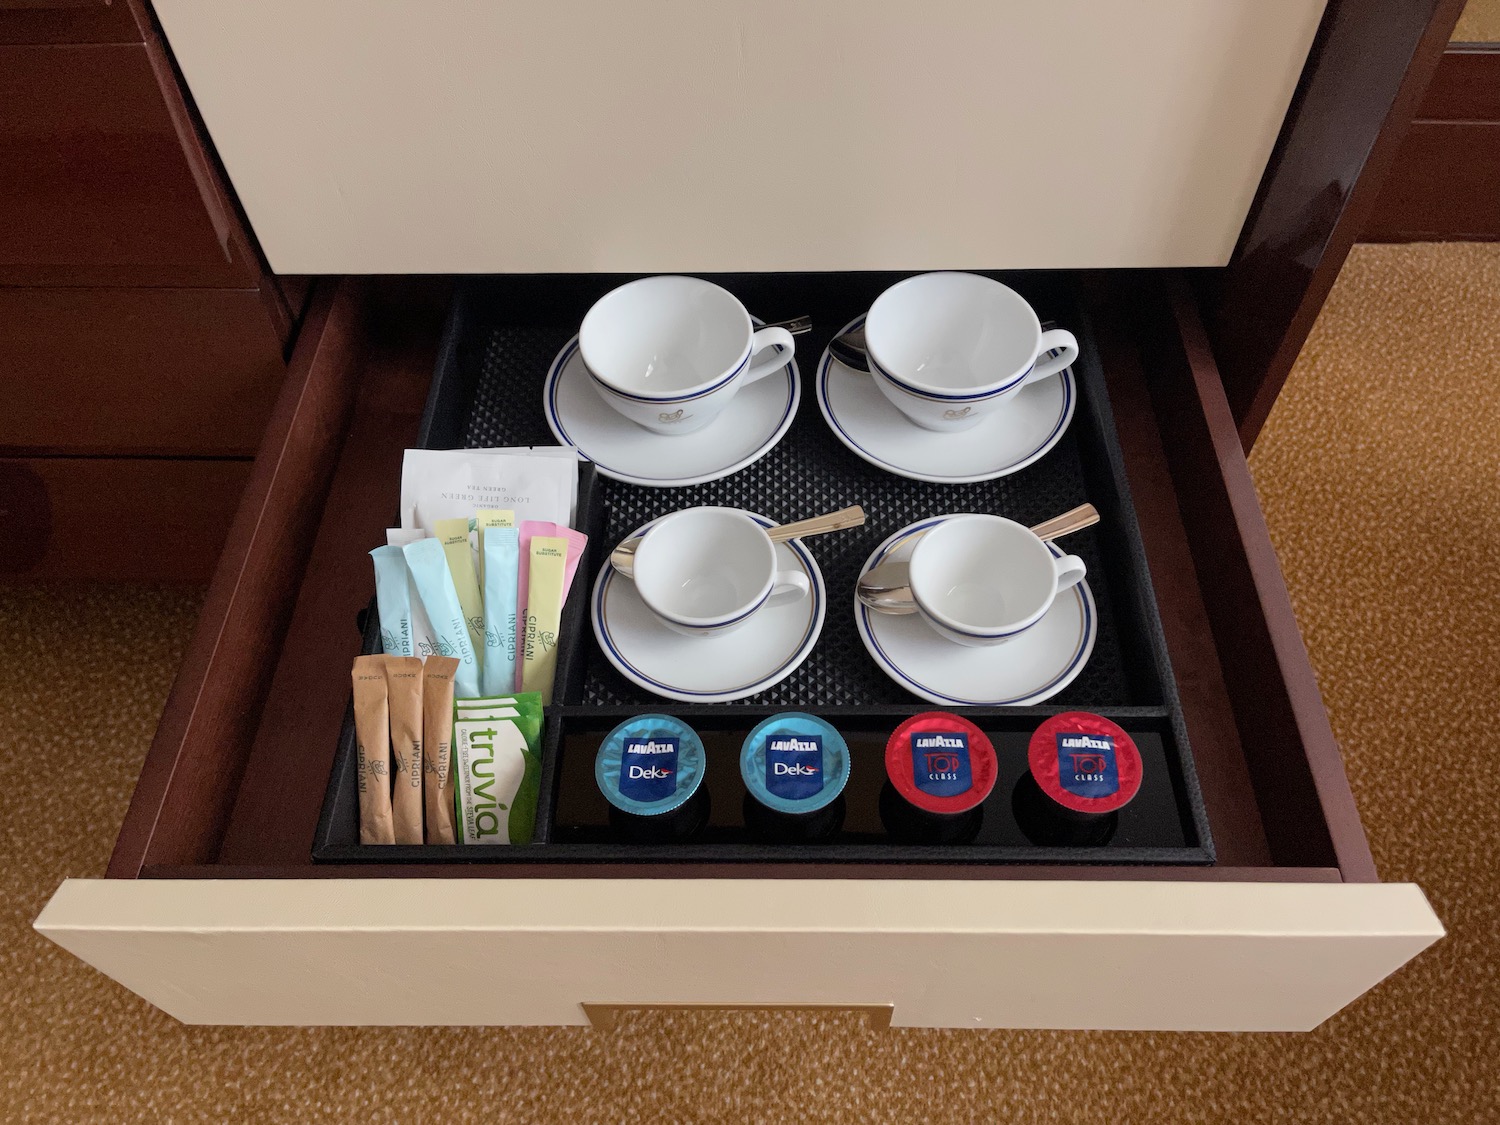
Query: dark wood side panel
[(1294, 760), (67, 21), (106, 519), (1369, 67), (1466, 86), (98, 184), (1445, 185), (181, 372), (214, 706)]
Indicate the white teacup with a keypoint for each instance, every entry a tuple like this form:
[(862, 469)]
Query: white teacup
[(706, 571), (670, 353), (949, 348), (984, 580)]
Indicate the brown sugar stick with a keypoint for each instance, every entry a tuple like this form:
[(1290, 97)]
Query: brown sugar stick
[(372, 738), (403, 687), (437, 747)]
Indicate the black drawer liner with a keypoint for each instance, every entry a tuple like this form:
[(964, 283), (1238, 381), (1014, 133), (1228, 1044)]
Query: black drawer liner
[(501, 338)]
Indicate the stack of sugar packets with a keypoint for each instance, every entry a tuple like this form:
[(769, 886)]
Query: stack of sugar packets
[(478, 574)]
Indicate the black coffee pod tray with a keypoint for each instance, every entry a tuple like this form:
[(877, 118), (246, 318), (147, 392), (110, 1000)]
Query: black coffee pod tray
[(501, 337)]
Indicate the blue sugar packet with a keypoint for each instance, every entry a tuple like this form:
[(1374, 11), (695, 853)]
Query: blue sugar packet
[(404, 628), (502, 551), (429, 569), (794, 762), (649, 765), (393, 601)]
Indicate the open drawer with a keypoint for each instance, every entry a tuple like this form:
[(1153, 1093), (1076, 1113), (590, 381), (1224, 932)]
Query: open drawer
[(213, 909)]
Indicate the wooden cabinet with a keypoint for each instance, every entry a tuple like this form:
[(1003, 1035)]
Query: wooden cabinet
[(158, 372), (98, 187), (212, 907), (67, 21), (140, 320), (117, 519), (1443, 184)]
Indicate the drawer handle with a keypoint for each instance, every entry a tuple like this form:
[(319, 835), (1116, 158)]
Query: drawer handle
[(606, 1017)]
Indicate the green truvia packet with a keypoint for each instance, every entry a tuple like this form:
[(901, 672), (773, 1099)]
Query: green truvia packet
[(497, 754)]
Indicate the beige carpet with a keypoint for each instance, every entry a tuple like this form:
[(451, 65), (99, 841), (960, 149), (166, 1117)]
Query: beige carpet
[(1480, 22), (1388, 426)]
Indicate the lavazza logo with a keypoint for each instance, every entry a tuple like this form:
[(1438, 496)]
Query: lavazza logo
[(1084, 742), (652, 748), (939, 742)]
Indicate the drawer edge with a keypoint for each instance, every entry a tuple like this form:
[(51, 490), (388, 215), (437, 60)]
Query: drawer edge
[(1123, 956), (1268, 672), (215, 699)]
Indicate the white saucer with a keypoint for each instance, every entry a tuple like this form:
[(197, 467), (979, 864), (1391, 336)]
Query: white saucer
[(1034, 666), (764, 651), (748, 429), (1003, 442)]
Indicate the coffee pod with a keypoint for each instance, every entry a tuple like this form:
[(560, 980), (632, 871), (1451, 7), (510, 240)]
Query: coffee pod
[(1084, 770), (650, 770), (795, 767), (939, 770)]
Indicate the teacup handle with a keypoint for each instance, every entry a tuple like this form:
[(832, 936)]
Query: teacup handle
[(1058, 340), (1070, 571), (762, 341), (791, 586)]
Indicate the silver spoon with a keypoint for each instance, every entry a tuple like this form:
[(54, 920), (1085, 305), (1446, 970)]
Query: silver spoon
[(887, 587), (797, 326), (622, 557)]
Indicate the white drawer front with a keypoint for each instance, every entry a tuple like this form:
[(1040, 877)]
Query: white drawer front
[(454, 136), (1189, 956)]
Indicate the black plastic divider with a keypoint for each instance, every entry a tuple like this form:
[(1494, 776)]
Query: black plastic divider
[(499, 339)]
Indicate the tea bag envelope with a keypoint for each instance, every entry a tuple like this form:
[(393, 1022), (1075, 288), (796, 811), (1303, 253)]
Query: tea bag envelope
[(537, 484)]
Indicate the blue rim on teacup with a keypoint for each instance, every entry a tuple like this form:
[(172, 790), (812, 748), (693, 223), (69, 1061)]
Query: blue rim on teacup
[(668, 400), (693, 536), (939, 396), (912, 307), (933, 552), (612, 304)]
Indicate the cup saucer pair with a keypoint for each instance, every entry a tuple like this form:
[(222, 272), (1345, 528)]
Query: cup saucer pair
[(1026, 670), (756, 655), (749, 428), (1002, 443)]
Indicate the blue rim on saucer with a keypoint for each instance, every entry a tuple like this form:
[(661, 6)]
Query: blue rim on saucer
[(790, 381), (1056, 681), (611, 649), (1047, 436)]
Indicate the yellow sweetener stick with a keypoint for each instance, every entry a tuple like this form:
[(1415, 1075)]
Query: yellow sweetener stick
[(454, 536), (489, 517), (544, 598)]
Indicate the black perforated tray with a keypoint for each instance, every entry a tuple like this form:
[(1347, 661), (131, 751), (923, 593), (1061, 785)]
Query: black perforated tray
[(501, 338)]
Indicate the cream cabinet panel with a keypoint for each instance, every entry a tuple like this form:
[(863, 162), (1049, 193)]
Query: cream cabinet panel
[(412, 136), (984, 953)]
